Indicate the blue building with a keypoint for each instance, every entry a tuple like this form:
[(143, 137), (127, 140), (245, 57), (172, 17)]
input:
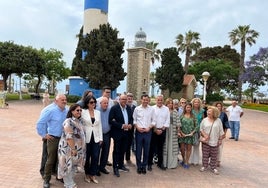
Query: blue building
[(78, 85)]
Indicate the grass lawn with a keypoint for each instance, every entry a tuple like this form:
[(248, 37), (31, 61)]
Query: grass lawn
[(260, 107)]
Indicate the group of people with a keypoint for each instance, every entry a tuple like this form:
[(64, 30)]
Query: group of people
[(78, 139)]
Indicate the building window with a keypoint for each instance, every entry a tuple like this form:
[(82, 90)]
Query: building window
[(145, 55), (144, 82)]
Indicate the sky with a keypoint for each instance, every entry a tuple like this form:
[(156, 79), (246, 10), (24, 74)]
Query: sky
[(55, 23)]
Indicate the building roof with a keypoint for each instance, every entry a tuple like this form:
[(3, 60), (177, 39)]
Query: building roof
[(189, 79)]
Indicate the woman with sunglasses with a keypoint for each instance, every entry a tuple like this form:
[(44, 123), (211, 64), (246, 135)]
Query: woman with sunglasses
[(71, 150), (93, 130)]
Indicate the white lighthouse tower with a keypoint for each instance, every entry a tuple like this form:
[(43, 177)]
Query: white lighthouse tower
[(95, 14)]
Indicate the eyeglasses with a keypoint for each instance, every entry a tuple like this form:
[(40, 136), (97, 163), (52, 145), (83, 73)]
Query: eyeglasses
[(92, 102), (78, 110), (183, 102)]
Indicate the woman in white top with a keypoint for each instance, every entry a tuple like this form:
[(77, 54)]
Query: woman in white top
[(211, 129), (93, 130)]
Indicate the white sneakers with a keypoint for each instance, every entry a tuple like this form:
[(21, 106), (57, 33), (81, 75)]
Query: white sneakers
[(215, 171)]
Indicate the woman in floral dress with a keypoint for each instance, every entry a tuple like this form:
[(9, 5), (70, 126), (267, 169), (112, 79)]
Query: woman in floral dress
[(71, 151), (186, 138)]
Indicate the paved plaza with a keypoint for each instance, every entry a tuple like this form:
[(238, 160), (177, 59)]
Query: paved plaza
[(244, 164)]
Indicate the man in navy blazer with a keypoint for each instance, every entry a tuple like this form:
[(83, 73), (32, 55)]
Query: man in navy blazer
[(121, 121)]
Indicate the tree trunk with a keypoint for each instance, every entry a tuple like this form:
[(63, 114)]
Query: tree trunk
[(187, 60), (5, 77), (241, 70)]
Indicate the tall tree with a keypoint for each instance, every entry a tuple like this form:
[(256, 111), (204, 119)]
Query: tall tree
[(255, 74), (242, 34), (188, 44), (221, 73), (156, 53), (170, 75), (15, 59), (102, 64)]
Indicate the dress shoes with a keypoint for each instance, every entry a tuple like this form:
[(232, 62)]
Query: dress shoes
[(143, 170), (104, 171), (149, 168), (231, 138), (139, 170), (98, 173), (124, 169), (116, 172), (161, 167)]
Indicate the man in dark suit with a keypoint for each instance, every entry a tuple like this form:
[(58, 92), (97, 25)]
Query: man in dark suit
[(130, 142), (121, 121)]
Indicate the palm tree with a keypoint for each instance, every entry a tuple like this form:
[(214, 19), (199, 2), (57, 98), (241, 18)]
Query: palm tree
[(188, 44), (242, 34), (155, 52)]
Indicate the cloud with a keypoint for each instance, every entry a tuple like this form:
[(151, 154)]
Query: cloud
[(55, 23)]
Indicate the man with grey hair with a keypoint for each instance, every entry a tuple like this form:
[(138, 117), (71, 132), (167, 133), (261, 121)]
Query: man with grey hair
[(161, 121), (106, 127), (49, 127)]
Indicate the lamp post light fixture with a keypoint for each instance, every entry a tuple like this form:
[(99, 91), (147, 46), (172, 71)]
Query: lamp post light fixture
[(205, 76)]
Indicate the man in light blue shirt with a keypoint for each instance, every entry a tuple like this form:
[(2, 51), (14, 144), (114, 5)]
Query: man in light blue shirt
[(106, 127), (49, 127)]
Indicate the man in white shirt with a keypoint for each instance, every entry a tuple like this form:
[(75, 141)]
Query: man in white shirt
[(143, 122), (235, 113), (161, 120)]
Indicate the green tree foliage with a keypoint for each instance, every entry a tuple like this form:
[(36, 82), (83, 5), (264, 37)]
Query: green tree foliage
[(156, 53), (16, 59), (170, 75), (102, 64), (79, 65), (222, 74), (243, 35), (188, 44), (217, 56), (31, 63), (217, 52)]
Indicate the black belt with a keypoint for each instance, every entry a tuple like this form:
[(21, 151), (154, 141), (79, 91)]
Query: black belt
[(57, 137)]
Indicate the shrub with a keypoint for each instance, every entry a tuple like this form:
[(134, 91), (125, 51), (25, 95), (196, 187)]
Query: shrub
[(73, 98), (214, 97)]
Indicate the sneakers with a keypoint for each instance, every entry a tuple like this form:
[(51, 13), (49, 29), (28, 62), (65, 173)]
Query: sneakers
[(215, 171), (186, 166), (202, 169)]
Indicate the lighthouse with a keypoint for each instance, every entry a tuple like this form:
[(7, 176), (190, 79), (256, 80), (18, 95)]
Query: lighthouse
[(95, 14)]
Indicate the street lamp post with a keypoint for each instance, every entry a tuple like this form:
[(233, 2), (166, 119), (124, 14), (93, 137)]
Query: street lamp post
[(205, 76)]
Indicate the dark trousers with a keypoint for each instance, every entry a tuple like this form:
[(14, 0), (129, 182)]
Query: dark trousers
[(105, 148), (129, 144), (43, 158), (156, 147), (142, 147), (120, 145), (52, 156), (92, 157)]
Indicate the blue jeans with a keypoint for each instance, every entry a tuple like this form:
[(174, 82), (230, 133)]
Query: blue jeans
[(142, 147), (235, 128)]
